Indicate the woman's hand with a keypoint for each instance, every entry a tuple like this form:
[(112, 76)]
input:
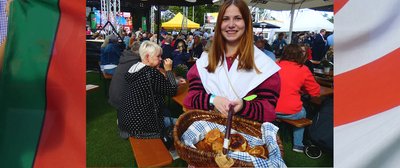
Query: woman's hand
[(168, 64), (237, 105), (222, 105)]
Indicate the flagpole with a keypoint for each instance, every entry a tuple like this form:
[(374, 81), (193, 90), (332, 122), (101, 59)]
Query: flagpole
[(291, 24)]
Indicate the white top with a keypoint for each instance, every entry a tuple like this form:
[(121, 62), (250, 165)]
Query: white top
[(242, 81)]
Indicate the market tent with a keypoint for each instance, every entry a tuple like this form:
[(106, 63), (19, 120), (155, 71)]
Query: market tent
[(304, 20), (289, 5), (176, 22)]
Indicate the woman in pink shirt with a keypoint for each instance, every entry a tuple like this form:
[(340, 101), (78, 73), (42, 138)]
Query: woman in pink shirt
[(296, 79)]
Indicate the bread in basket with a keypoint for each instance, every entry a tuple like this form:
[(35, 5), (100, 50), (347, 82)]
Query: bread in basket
[(200, 158)]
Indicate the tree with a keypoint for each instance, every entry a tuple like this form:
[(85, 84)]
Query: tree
[(331, 19), (326, 16)]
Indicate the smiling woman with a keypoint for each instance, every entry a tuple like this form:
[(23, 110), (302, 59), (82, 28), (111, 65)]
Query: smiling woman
[(245, 70), (232, 27)]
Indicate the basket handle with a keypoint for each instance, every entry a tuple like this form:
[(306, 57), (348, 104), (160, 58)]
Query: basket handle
[(228, 130)]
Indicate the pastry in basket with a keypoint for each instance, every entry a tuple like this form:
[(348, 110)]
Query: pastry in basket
[(212, 135), (203, 146), (238, 143), (207, 143), (259, 151), (217, 145)]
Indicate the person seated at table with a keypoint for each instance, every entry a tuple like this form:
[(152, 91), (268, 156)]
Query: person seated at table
[(189, 42), (167, 48), (118, 82), (109, 58), (197, 47), (306, 50), (295, 80), (140, 113), (234, 69), (180, 55), (260, 45), (279, 44), (208, 45)]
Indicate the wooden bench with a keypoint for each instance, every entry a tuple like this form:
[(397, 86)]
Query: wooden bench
[(107, 76), (107, 80), (150, 152), (300, 123), (90, 87), (303, 122)]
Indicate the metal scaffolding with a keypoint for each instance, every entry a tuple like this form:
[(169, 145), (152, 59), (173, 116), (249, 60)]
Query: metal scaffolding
[(184, 20), (110, 9), (260, 14), (152, 18)]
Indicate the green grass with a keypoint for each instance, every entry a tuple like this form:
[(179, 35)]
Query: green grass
[(104, 147)]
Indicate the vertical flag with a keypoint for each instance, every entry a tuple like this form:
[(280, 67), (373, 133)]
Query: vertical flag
[(144, 25), (93, 23), (367, 90), (42, 96)]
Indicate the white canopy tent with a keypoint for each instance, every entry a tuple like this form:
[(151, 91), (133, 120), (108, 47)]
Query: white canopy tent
[(289, 5), (303, 20)]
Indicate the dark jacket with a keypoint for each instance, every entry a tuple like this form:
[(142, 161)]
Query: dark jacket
[(167, 51), (118, 82), (111, 54), (140, 111), (318, 48), (179, 58), (197, 50), (278, 46)]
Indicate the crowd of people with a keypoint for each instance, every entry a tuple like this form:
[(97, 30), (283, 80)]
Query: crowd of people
[(182, 48), (319, 43)]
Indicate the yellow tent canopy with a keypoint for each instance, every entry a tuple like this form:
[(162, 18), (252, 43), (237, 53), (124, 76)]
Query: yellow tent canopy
[(176, 22)]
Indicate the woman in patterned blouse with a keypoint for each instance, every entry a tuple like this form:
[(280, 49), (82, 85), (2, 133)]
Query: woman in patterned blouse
[(140, 113)]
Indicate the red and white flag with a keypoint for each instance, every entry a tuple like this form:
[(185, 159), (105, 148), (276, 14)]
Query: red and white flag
[(367, 89)]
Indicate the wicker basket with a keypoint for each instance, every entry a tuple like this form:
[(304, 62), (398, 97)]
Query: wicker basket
[(199, 158)]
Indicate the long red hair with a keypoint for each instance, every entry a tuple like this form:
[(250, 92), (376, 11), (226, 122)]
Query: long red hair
[(245, 51)]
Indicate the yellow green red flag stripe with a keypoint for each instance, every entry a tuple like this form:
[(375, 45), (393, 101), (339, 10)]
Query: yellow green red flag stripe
[(42, 95)]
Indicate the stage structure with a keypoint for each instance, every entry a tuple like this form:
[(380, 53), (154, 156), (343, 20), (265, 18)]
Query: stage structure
[(109, 11), (260, 14), (185, 20)]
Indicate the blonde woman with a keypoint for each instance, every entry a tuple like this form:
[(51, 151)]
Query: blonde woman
[(140, 112)]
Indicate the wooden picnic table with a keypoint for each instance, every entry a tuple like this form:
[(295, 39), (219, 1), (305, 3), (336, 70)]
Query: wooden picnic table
[(325, 91), (181, 94), (328, 81)]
